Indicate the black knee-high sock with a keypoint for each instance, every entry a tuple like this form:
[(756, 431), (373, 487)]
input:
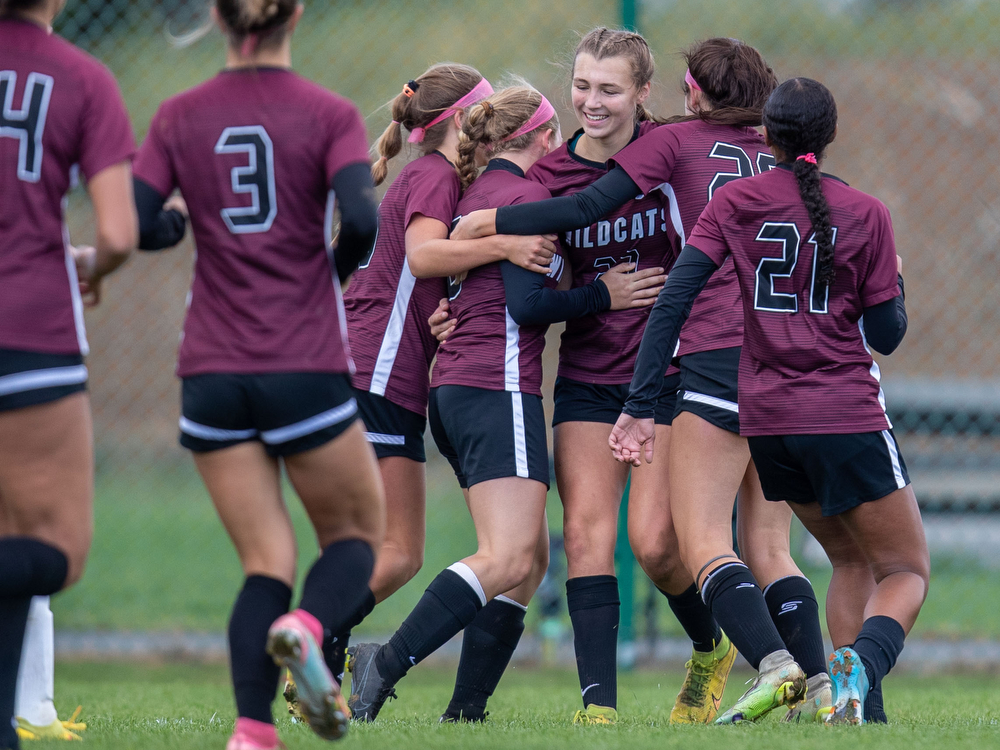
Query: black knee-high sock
[(874, 707), (878, 644), (795, 612), (448, 605), (738, 605), (488, 643), (13, 620), (595, 611), (337, 584), (695, 618), (255, 675), (335, 644)]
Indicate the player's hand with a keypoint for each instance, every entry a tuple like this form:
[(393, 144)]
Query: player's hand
[(475, 225), (534, 253), (632, 437), (85, 258), (177, 203), (899, 265), (441, 325), (629, 290)]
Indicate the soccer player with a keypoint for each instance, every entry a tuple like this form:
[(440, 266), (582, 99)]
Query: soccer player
[(725, 88), (820, 283), (61, 108), (261, 157), (485, 402)]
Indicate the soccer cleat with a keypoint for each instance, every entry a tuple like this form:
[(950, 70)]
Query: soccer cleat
[(594, 714), (292, 646), (369, 690), (57, 730), (463, 718), (240, 741), (850, 687), (781, 682), (817, 704), (707, 674), (291, 695)]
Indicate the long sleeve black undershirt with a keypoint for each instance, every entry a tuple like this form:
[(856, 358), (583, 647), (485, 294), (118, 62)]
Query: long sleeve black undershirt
[(158, 229), (885, 326), (569, 212), (530, 302), (358, 217)]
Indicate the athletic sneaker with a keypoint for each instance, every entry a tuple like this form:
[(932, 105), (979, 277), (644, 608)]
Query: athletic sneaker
[(781, 682), (292, 645), (818, 701), (850, 687), (594, 714), (57, 730), (369, 691), (707, 674)]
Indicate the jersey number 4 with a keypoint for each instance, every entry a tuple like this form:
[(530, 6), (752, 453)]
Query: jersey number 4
[(27, 123), (255, 178), (769, 269), (741, 160)]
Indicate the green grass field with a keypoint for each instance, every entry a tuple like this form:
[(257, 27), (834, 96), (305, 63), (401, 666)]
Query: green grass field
[(143, 706)]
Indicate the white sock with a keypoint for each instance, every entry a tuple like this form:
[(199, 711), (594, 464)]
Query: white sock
[(36, 675)]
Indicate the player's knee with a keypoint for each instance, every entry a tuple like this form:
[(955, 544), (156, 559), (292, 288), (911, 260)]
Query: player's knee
[(588, 543)]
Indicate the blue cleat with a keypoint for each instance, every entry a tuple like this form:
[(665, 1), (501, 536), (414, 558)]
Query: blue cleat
[(850, 687)]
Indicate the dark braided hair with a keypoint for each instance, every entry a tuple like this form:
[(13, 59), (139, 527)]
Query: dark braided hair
[(801, 118)]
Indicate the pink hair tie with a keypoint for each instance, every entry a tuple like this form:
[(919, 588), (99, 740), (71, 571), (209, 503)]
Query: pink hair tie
[(689, 80), (542, 115), (479, 92), (810, 157)]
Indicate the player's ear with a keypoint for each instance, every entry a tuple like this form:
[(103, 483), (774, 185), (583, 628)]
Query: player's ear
[(767, 138), (643, 94), (294, 20), (217, 19)]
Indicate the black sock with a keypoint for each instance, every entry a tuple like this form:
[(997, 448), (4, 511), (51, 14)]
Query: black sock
[(29, 567), (335, 645), (738, 605), (448, 605), (13, 620), (595, 610), (695, 618), (255, 675), (487, 646), (795, 612), (878, 644), (874, 707), (337, 584)]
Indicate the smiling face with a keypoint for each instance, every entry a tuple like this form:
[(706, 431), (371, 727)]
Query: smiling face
[(604, 95)]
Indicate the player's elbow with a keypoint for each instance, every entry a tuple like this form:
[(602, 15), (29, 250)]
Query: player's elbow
[(118, 239)]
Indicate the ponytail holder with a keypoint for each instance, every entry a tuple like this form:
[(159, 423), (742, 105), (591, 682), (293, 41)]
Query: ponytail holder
[(810, 157), (396, 122), (410, 88), (488, 108), (479, 92)]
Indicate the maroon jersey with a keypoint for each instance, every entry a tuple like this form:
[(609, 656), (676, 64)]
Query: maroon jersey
[(488, 349), (254, 152), (387, 308), (60, 108), (601, 348), (689, 161), (806, 368)]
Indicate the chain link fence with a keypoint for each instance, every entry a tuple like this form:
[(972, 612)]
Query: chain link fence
[(915, 83)]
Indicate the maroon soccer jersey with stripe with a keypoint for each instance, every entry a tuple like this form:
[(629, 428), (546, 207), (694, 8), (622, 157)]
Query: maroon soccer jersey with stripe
[(488, 349), (60, 108), (602, 348), (387, 308), (689, 161), (806, 368), (254, 152)]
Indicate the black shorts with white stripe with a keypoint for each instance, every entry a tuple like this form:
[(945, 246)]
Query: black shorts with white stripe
[(489, 434), (838, 471), (391, 429), (709, 387), (33, 378), (576, 401), (289, 412)]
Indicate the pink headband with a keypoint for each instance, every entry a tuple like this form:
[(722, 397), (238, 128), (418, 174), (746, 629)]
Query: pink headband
[(478, 93), (542, 115), (689, 80)]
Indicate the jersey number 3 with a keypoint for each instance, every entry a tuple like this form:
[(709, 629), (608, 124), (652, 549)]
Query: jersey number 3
[(255, 178)]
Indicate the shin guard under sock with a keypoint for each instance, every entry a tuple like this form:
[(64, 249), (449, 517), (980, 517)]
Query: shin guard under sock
[(29, 567), (878, 644), (488, 643), (738, 605), (795, 612), (13, 619), (255, 675), (595, 611), (337, 584), (448, 605), (695, 618), (335, 645)]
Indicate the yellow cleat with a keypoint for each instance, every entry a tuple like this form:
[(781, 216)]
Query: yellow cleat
[(291, 696), (594, 714), (57, 730), (701, 694)]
